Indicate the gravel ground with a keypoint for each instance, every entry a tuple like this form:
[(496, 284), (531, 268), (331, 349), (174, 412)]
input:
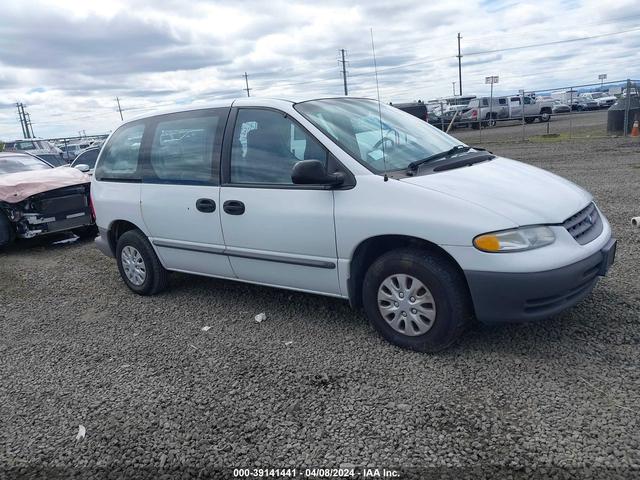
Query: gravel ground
[(161, 398)]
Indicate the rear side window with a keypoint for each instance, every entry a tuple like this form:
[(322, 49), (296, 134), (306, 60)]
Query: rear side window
[(121, 155), (185, 148)]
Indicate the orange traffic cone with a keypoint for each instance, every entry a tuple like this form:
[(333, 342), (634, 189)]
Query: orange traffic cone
[(635, 131)]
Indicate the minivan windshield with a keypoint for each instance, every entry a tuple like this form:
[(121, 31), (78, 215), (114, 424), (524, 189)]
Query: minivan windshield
[(371, 138)]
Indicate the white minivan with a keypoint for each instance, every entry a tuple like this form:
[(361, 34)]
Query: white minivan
[(349, 198)]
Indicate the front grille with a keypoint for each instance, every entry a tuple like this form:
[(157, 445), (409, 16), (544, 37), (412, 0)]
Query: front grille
[(584, 226)]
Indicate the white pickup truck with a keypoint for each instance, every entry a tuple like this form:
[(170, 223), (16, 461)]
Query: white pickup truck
[(533, 109), (489, 111)]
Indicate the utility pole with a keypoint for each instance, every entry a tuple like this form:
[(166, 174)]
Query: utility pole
[(344, 71), (246, 81), (24, 119), (119, 109), (29, 125), (459, 65), (24, 134)]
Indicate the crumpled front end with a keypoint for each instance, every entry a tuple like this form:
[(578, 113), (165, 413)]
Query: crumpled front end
[(49, 212)]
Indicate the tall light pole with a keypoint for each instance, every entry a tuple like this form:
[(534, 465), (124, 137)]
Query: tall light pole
[(459, 65), (602, 77)]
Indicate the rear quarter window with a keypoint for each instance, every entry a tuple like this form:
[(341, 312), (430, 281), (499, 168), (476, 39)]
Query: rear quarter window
[(120, 159)]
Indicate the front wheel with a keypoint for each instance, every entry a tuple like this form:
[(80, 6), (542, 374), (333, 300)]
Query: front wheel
[(139, 265), (416, 299)]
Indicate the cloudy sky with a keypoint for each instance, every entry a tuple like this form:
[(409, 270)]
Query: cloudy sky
[(67, 61)]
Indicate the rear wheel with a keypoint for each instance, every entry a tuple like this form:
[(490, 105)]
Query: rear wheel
[(416, 299), (139, 265), (7, 234), (545, 116)]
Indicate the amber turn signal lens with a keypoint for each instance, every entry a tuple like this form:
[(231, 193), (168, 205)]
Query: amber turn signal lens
[(488, 243)]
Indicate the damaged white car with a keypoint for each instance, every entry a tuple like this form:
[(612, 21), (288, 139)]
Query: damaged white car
[(37, 199)]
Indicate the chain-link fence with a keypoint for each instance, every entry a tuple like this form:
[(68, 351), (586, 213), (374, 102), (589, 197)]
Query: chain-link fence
[(577, 111)]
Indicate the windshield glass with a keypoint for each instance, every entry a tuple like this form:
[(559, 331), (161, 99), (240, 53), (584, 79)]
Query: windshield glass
[(21, 163), (354, 124)]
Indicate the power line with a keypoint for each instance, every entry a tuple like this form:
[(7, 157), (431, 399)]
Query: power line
[(556, 42)]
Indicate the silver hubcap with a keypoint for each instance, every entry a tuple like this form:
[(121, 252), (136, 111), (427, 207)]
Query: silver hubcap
[(133, 265), (406, 304)]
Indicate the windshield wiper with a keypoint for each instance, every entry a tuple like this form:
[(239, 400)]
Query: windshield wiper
[(413, 166)]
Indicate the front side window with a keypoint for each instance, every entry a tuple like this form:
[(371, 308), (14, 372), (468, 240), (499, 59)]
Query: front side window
[(266, 145), (376, 138), (120, 158), (182, 150)]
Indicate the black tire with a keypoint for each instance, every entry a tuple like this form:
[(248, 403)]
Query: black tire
[(491, 121), (475, 125), (89, 231), (7, 234), (545, 116), (446, 284), (529, 119), (157, 278)]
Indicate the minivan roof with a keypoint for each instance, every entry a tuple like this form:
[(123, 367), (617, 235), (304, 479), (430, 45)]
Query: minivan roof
[(236, 102)]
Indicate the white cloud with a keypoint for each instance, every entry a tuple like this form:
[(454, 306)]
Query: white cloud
[(68, 60)]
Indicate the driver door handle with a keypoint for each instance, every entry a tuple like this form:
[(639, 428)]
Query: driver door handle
[(205, 205)]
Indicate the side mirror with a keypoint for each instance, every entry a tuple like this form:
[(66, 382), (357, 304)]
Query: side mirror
[(82, 167), (312, 172)]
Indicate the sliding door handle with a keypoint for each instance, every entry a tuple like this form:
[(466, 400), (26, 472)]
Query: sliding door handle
[(233, 207)]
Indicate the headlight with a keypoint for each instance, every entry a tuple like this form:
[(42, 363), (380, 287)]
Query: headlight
[(516, 240)]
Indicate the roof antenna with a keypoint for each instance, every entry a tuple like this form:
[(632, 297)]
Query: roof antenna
[(375, 68)]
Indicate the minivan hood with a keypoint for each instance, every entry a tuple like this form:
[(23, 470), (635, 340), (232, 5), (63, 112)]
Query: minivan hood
[(524, 194)]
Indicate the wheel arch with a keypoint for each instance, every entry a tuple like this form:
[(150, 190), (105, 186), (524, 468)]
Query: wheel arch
[(117, 229), (372, 248)]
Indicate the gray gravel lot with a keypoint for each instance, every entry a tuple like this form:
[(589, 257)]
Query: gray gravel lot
[(158, 395)]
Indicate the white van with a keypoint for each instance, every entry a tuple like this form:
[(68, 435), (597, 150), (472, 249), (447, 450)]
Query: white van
[(348, 198)]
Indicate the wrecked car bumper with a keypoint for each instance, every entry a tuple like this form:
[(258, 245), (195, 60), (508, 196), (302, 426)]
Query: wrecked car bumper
[(54, 211)]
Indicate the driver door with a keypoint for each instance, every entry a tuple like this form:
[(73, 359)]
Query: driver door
[(276, 232)]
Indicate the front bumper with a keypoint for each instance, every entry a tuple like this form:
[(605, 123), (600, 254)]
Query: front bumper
[(521, 297)]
